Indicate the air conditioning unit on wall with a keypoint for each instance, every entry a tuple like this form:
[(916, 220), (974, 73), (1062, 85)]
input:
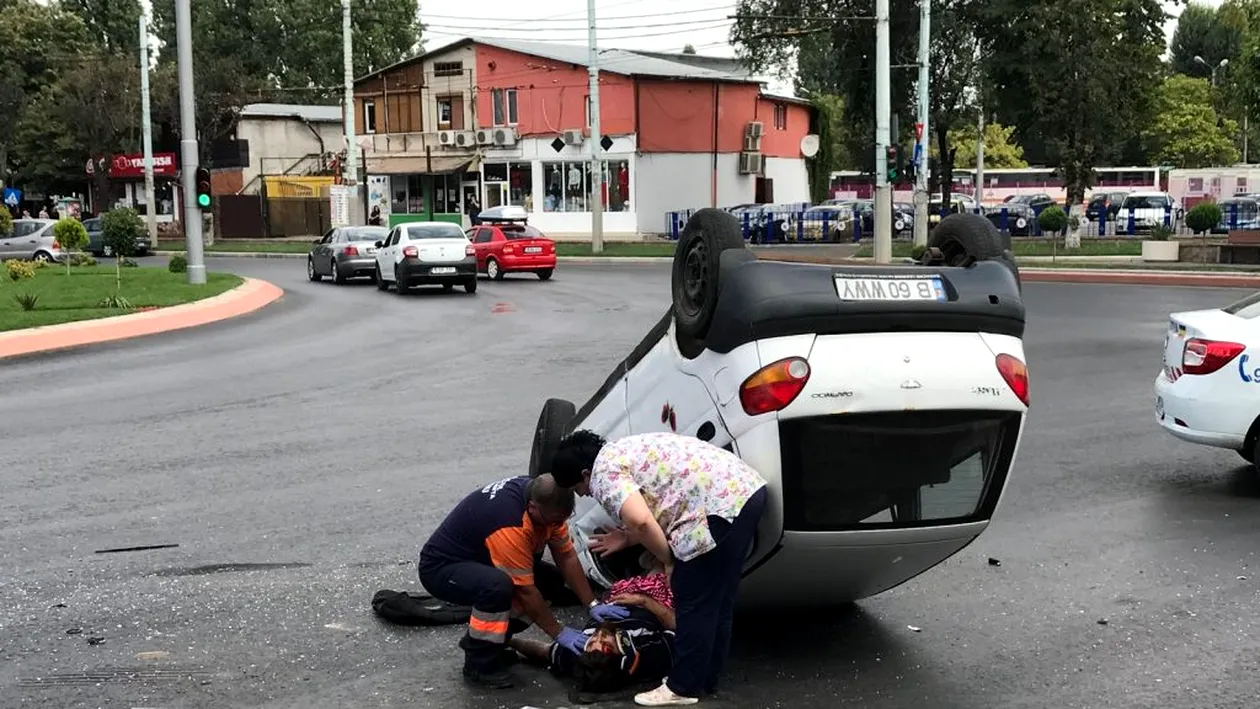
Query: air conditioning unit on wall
[(465, 139), (755, 129), (505, 136), (485, 136), (573, 137), (751, 163), (446, 138), (752, 144)]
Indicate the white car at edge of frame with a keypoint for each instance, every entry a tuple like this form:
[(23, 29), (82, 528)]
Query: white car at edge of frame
[(884, 405), (1206, 392)]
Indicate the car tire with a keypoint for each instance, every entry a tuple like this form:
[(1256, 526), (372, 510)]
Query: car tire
[(493, 270), (337, 276), (697, 260), (42, 256), (470, 285), (1248, 454), (311, 275), (381, 283), (399, 287), (552, 422), (965, 239), (545, 274)]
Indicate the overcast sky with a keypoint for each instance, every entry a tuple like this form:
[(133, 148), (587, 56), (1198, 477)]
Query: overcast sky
[(661, 25)]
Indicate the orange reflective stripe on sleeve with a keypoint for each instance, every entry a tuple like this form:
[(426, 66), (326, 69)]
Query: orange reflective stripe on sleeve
[(512, 552)]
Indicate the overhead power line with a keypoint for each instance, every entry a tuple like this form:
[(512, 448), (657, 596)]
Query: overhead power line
[(717, 8)]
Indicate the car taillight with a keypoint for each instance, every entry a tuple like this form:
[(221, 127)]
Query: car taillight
[(1016, 375), (411, 252), (774, 386), (470, 250), (56, 244), (350, 251), (1207, 356), (509, 249)]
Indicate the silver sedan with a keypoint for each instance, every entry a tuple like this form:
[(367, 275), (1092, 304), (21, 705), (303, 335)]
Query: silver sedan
[(344, 253)]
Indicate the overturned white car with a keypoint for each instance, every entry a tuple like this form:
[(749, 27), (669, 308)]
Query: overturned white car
[(884, 404)]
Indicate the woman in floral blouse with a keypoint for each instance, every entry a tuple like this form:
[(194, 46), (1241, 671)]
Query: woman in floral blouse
[(695, 507)]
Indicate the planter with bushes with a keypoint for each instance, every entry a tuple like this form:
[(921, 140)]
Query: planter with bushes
[(1161, 246)]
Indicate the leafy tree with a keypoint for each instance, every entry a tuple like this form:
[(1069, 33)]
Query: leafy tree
[(831, 137), (1078, 72), (46, 154), (113, 25), (1186, 131), (36, 40), (1203, 216), (1201, 33), (689, 49), (121, 229), (98, 104), (1000, 149), (1052, 220), (6, 221), (71, 236)]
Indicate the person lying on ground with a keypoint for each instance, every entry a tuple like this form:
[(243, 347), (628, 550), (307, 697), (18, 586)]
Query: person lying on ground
[(483, 556), (632, 644)]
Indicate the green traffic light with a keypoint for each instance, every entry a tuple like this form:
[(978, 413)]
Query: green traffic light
[(203, 200)]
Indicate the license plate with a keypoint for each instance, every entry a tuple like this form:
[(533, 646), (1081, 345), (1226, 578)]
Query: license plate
[(865, 288), (371, 250), (439, 270), (533, 249)]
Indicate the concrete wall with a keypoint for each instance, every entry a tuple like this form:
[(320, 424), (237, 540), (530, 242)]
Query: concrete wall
[(458, 87), (275, 138)]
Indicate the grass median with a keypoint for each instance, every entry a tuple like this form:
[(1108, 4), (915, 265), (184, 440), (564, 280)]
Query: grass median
[(1037, 247), (62, 298), (563, 248)]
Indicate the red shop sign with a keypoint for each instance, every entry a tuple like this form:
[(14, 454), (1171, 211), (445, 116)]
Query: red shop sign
[(132, 166)]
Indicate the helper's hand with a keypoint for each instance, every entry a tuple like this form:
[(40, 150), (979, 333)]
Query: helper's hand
[(630, 599), (572, 640), (609, 542), (607, 612)]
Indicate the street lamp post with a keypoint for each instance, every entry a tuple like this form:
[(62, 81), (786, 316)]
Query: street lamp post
[(1246, 110)]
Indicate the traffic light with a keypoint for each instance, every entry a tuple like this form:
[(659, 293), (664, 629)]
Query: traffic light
[(894, 158), (203, 188)]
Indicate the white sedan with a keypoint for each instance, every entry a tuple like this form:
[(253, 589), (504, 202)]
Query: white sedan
[(1206, 391), (883, 404), (426, 253)]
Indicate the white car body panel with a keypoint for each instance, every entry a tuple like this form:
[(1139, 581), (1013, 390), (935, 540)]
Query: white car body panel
[(1216, 409), (430, 250)]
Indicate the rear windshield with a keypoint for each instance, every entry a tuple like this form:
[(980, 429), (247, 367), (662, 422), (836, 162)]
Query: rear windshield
[(521, 231), (1151, 202), (1248, 307), (435, 231), (367, 233), (895, 469), (1098, 201)]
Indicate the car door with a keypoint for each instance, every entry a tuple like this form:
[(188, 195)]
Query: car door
[(7, 249), (384, 262), (323, 250), (483, 242)]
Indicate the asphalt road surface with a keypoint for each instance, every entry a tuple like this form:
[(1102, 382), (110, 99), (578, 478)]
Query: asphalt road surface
[(300, 456)]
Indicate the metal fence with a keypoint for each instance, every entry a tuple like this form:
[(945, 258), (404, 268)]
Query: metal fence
[(797, 224)]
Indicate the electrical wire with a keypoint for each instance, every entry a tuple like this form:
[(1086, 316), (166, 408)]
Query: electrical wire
[(724, 7), (601, 27)]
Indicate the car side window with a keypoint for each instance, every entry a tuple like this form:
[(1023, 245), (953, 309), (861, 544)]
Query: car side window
[(328, 237), (484, 235), (393, 237)]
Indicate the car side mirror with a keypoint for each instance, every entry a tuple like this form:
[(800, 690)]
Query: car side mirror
[(379, 244)]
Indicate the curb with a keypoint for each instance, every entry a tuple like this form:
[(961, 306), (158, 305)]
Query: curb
[(248, 297), (1218, 279)]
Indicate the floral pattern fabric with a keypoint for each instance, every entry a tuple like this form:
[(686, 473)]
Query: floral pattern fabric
[(682, 479), (654, 586)]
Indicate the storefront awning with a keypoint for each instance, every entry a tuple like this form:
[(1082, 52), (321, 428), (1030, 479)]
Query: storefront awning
[(420, 165)]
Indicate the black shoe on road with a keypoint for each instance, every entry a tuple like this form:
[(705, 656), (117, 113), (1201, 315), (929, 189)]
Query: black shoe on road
[(498, 679)]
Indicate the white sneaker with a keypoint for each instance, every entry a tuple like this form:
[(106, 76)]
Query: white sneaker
[(662, 696)]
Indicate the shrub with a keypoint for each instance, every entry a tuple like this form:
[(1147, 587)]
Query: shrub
[(82, 260), (1161, 233), (6, 222), (120, 229), (27, 301), (1052, 220), (19, 270), (39, 265), (1204, 217), (128, 263), (178, 264), (917, 251), (70, 234)]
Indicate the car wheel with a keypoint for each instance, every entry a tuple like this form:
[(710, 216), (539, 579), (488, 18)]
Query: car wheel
[(493, 270), (555, 417), (545, 274), (335, 272), (399, 286), (381, 283), (310, 271), (899, 225), (470, 286), (1248, 454), (965, 239), (697, 260), (43, 256)]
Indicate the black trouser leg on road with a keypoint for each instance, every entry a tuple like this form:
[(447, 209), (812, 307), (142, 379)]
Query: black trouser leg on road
[(489, 591), (550, 583), (705, 589)]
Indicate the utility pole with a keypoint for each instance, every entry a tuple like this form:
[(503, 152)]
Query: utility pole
[(883, 107), (146, 126), (188, 143), (350, 173), (980, 159), (921, 132), (597, 167)]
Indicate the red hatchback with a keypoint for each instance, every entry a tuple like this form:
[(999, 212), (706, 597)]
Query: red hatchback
[(510, 247)]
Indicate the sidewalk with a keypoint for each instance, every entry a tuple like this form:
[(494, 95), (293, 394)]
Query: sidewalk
[(250, 296)]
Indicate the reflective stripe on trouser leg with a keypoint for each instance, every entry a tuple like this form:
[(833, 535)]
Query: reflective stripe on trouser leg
[(490, 627)]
